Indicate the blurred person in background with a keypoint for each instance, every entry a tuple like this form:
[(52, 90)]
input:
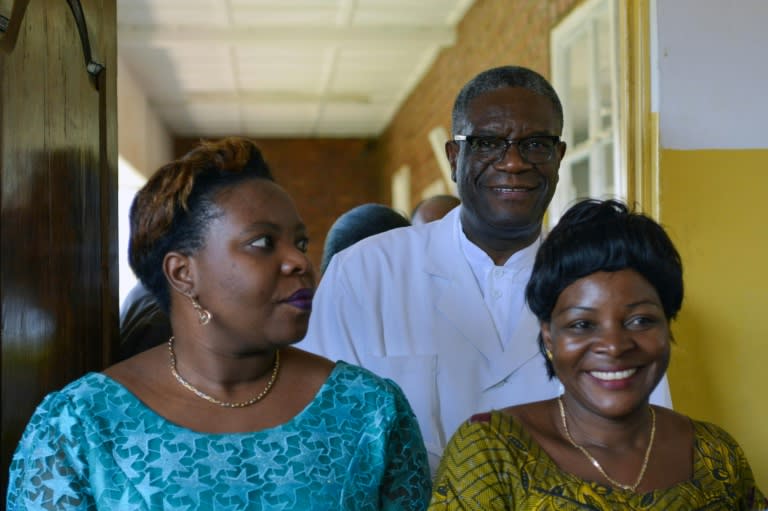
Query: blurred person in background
[(359, 223), (433, 208)]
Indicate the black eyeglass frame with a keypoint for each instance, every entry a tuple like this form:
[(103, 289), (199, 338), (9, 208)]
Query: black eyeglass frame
[(513, 142)]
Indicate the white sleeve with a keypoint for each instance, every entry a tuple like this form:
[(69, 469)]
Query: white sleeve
[(337, 320), (661, 395)]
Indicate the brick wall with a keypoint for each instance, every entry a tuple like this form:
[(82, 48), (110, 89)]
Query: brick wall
[(326, 177), (492, 33)]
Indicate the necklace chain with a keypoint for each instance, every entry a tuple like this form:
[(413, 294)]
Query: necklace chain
[(597, 465), (226, 404)]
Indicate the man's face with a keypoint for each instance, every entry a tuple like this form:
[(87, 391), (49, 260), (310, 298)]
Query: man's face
[(505, 196)]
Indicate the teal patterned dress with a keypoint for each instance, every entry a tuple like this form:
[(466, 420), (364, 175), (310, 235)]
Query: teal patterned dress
[(94, 445)]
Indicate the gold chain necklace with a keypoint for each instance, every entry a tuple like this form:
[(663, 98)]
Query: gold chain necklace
[(592, 459), (226, 404)]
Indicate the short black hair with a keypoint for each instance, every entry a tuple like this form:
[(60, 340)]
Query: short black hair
[(499, 78), (359, 223), (594, 236)]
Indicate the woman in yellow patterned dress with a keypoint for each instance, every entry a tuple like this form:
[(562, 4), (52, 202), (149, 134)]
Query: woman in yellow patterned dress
[(605, 286)]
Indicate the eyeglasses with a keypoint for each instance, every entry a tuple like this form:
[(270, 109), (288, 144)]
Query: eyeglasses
[(538, 149)]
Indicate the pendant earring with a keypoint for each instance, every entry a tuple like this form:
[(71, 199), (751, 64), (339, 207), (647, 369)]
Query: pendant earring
[(204, 315), (549, 353)]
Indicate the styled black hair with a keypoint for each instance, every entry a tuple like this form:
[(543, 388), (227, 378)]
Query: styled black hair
[(594, 236), (356, 224)]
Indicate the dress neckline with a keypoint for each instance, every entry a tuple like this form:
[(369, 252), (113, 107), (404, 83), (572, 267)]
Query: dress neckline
[(539, 452), (163, 422)]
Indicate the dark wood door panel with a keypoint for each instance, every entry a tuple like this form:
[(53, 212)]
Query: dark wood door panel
[(58, 271)]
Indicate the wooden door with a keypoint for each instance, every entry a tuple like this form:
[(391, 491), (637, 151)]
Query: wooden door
[(58, 231)]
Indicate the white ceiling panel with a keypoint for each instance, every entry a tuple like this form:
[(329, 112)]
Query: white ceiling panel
[(380, 72), (203, 120), (282, 68), (298, 13), (279, 120), (347, 120), (407, 12)]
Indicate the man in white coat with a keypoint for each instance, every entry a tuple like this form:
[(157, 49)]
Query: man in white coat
[(439, 308)]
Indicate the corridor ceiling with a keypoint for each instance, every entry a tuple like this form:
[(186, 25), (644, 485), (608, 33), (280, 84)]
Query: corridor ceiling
[(282, 68)]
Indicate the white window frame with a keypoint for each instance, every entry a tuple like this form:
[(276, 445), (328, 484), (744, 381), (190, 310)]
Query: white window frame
[(401, 189), (583, 20)]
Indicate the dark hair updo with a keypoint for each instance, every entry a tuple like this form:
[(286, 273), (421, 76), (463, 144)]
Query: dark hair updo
[(174, 208)]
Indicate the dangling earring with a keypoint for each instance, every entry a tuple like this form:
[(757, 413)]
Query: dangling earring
[(204, 315), (549, 354)]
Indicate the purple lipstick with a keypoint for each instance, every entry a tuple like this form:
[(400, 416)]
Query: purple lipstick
[(301, 299)]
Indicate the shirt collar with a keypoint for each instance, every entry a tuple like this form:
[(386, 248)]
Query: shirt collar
[(482, 262)]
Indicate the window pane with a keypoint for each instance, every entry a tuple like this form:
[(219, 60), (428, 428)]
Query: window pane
[(608, 169), (581, 179), (604, 45), (578, 91)]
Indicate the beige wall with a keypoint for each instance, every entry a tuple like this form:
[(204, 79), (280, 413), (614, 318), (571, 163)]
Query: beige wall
[(714, 205), (143, 140), (713, 170)]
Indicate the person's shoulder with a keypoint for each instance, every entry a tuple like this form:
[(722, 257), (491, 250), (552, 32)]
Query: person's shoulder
[(75, 399), (514, 421), (480, 418), (364, 380), (138, 299), (491, 428), (346, 371), (713, 434), (494, 420), (82, 389)]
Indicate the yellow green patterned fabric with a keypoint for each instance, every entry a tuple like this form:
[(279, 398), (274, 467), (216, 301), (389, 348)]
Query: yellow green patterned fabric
[(493, 463), (95, 446)]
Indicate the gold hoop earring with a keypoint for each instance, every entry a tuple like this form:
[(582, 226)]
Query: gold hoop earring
[(203, 315)]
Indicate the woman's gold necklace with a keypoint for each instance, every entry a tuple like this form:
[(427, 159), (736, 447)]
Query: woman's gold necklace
[(630, 487), (226, 404)]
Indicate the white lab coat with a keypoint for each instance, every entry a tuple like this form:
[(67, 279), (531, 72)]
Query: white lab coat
[(405, 305)]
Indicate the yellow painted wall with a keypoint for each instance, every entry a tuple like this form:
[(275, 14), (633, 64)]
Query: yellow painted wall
[(714, 203)]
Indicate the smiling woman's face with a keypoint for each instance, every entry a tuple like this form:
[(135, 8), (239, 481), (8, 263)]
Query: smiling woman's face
[(610, 341), (253, 273)]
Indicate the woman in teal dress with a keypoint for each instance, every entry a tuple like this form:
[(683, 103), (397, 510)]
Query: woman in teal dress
[(225, 414), (605, 285)]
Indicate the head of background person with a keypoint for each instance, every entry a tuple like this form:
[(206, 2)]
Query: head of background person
[(505, 154), (213, 229), (359, 223), (433, 208), (143, 324), (605, 285)]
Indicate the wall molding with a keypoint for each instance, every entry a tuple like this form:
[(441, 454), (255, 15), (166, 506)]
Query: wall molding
[(639, 127)]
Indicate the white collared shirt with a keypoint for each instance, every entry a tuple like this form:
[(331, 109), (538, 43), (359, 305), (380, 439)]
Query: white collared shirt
[(407, 304), (502, 287)]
